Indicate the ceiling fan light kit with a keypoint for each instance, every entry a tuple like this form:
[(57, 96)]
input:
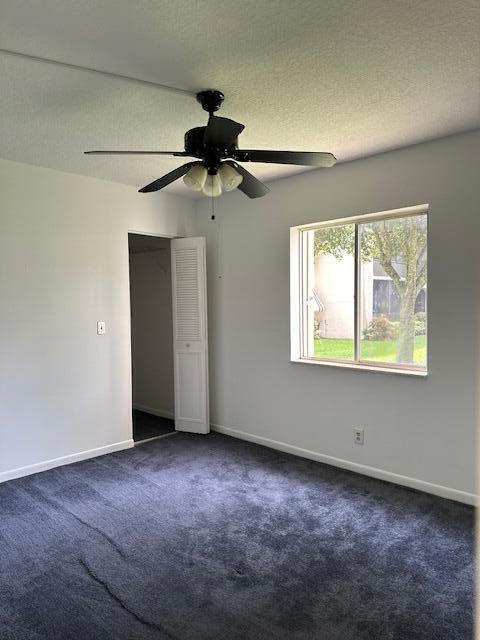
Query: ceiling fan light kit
[(216, 148), (230, 178), (196, 177), (213, 186)]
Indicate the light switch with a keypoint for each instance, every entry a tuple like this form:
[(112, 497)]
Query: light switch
[(101, 327)]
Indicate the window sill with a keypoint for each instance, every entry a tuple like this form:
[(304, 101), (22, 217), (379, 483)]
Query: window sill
[(403, 371)]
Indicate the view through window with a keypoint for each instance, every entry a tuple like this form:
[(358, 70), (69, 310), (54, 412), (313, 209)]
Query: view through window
[(364, 294)]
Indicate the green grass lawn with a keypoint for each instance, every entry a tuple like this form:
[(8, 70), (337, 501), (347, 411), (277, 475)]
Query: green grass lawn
[(385, 351)]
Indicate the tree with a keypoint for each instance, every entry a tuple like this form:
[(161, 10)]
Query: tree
[(393, 241)]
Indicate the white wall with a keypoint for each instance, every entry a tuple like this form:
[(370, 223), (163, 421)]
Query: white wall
[(423, 429), (63, 266), (152, 331)]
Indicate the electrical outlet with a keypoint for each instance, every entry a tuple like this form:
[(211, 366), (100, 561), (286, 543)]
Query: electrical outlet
[(358, 436), (101, 328)]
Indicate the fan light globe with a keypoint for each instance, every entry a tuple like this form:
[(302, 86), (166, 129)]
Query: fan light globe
[(229, 177), (195, 177), (212, 186)]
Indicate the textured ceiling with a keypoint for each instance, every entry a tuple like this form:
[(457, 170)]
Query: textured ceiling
[(351, 77)]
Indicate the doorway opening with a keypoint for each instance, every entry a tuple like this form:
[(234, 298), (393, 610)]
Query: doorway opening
[(151, 337)]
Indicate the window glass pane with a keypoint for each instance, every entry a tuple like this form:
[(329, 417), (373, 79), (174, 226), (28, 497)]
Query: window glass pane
[(393, 290), (330, 295)]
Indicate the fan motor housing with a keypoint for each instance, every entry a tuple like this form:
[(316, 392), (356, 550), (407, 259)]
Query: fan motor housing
[(194, 141), (195, 146)]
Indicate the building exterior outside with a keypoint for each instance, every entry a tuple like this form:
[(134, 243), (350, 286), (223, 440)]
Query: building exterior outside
[(333, 295)]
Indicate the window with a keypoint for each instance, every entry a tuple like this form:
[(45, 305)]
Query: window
[(359, 291)]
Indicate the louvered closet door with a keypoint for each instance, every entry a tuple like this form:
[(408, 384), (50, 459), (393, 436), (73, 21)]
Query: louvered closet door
[(190, 335)]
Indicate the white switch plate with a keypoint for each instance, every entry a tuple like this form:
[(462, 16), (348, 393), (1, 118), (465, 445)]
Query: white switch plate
[(101, 327), (358, 436)]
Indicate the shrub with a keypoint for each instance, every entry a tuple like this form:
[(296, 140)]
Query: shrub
[(420, 323), (381, 328)]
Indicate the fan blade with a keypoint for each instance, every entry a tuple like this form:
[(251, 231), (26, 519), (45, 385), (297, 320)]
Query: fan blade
[(251, 186), (158, 184), (305, 158), (222, 132), (136, 153)]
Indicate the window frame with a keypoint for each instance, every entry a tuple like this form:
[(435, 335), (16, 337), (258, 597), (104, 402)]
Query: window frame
[(298, 288)]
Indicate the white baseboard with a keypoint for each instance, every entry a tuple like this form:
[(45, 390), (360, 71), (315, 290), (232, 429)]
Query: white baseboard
[(58, 462), (373, 472), (155, 412)]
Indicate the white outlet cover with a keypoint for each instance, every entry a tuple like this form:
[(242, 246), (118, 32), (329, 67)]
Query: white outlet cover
[(358, 436), (101, 328)]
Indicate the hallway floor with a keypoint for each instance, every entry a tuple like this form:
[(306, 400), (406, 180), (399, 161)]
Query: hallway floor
[(147, 426)]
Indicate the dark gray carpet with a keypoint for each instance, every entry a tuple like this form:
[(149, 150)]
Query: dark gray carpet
[(206, 537), (146, 425)]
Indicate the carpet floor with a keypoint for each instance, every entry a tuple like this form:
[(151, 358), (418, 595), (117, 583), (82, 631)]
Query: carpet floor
[(211, 538), (146, 425)]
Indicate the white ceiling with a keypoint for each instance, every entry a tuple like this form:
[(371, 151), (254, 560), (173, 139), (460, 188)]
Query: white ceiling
[(347, 76)]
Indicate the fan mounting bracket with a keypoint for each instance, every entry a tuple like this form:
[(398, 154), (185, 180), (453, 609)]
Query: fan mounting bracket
[(210, 99)]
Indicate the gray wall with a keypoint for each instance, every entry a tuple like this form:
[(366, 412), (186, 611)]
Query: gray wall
[(64, 265), (423, 429), (152, 331)]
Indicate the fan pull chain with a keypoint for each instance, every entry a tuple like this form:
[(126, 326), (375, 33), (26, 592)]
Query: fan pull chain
[(218, 241)]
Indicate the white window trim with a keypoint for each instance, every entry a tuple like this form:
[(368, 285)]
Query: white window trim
[(298, 303)]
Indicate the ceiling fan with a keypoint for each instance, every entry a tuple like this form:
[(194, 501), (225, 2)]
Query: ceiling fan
[(217, 166)]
